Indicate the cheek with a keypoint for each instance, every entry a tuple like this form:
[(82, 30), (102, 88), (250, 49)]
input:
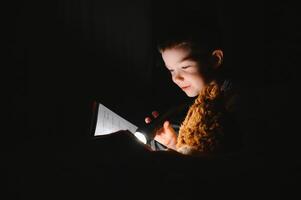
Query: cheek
[(197, 81)]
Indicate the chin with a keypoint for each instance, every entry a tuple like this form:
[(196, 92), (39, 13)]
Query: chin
[(191, 94)]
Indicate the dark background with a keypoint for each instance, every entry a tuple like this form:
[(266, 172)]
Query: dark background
[(63, 55)]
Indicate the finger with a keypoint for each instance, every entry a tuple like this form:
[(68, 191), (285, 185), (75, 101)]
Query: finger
[(159, 131), (166, 125), (168, 128), (155, 114), (147, 120), (158, 138)]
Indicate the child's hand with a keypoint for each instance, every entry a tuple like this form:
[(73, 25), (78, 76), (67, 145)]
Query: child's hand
[(165, 135)]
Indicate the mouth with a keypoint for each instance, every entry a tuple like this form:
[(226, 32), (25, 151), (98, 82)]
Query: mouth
[(185, 87)]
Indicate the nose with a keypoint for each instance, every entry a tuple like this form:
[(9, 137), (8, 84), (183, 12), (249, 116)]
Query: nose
[(177, 76)]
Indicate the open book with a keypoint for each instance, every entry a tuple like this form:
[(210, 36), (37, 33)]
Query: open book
[(109, 122), (105, 122)]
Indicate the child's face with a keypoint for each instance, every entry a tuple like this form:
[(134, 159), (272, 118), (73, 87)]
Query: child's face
[(184, 71)]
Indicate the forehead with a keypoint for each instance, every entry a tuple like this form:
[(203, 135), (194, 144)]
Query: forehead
[(178, 55)]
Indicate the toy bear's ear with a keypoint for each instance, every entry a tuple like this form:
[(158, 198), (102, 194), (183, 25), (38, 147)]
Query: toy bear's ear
[(217, 58)]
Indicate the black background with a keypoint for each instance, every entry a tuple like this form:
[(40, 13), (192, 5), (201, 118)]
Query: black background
[(63, 55)]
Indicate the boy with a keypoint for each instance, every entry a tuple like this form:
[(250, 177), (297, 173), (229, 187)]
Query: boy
[(194, 62)]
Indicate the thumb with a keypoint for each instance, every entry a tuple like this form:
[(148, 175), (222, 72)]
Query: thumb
[(168, 128), (166, 125)]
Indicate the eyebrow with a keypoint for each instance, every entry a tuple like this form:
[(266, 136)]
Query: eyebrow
[(186, 58), (189, 57)]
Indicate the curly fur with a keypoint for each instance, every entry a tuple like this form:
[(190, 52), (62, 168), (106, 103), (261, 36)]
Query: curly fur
[(202, 128)]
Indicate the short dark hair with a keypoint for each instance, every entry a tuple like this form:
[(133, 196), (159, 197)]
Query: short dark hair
[(200, 36)]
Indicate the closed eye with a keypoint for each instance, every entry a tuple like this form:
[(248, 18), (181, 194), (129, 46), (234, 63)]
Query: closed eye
[(185, 67)]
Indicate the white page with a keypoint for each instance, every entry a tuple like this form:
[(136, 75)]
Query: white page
[(109, 122)]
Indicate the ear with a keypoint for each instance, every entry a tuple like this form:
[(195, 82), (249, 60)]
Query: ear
[(218, 56)]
